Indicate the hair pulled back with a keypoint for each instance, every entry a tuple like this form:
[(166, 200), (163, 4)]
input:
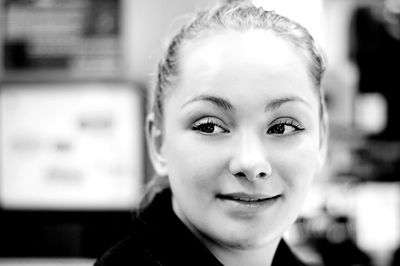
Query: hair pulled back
[(240, 16)]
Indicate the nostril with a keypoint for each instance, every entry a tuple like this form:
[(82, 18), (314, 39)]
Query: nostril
[(240, 174), (262, 174), (252, 177)]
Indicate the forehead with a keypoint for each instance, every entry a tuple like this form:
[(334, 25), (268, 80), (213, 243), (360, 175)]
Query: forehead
[(258, 49), (256, 44), (256, 56)]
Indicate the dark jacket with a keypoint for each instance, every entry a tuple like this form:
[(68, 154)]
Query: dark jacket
[(160, 238)]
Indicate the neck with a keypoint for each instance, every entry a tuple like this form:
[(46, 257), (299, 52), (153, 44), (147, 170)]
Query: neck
[(250, 257), (234, 256)]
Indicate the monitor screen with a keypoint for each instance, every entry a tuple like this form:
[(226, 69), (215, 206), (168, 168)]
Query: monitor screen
[(70, 146)]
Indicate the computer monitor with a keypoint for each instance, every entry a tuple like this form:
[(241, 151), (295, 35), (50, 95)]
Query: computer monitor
[(71, 146)]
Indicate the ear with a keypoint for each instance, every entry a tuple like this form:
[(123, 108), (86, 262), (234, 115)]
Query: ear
[(154, 138)]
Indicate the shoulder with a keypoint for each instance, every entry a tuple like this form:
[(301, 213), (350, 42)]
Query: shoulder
[(127, 252), (158, 238)]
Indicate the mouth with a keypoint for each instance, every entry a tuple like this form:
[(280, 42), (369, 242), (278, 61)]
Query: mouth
[(248, 199)]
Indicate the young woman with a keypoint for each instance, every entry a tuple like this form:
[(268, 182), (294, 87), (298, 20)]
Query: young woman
[(237, 131)]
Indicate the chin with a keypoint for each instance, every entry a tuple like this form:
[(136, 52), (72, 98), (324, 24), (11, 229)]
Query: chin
[(246, 243)]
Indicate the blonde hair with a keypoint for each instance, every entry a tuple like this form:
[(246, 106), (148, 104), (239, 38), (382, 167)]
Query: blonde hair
[(240, 16)]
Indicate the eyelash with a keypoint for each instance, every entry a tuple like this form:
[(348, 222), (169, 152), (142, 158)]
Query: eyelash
[(207, 126), (201, 125), (285, 122)]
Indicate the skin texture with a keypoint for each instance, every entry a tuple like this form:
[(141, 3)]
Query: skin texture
[(242, 118)]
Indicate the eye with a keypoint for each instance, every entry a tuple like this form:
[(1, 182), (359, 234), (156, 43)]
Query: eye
[(209, 126), (285, 127)]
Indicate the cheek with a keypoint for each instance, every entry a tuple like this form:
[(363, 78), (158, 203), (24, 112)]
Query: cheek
[(192, 163), (298, 165)]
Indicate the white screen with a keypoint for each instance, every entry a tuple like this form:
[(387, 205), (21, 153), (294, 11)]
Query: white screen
[(70, 146)]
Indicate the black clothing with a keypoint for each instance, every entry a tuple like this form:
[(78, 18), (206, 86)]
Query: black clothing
[(160, 238)]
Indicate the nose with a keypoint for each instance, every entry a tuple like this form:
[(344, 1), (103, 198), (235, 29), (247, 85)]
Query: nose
[(249, 159)]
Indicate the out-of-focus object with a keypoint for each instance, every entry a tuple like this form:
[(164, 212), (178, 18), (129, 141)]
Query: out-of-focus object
[(370, 113), (377, 219), (16, 54), (375, 48), (46, 262), (70, 146), (79, 38), (392, 7)]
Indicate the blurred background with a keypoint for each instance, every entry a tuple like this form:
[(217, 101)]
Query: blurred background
[(74, 79)]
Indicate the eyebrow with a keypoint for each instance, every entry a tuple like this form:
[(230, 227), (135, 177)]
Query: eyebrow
[(216, 100), (276, 103), (227, 105)]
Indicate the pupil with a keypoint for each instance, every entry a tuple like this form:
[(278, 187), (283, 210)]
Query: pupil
[(279, 129), (208, 128)]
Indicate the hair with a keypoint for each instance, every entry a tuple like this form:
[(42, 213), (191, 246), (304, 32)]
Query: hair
[(240, 16)]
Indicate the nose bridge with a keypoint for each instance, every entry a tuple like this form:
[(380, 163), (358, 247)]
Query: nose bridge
[(250, 147), (250, 157)]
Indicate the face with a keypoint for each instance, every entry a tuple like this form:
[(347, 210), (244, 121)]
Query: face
[(241, 137)]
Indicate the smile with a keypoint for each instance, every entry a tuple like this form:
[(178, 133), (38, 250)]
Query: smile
[(248, 199)]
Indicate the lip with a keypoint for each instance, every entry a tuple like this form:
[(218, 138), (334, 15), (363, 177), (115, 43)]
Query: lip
[(248, 200), (245, 197)]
